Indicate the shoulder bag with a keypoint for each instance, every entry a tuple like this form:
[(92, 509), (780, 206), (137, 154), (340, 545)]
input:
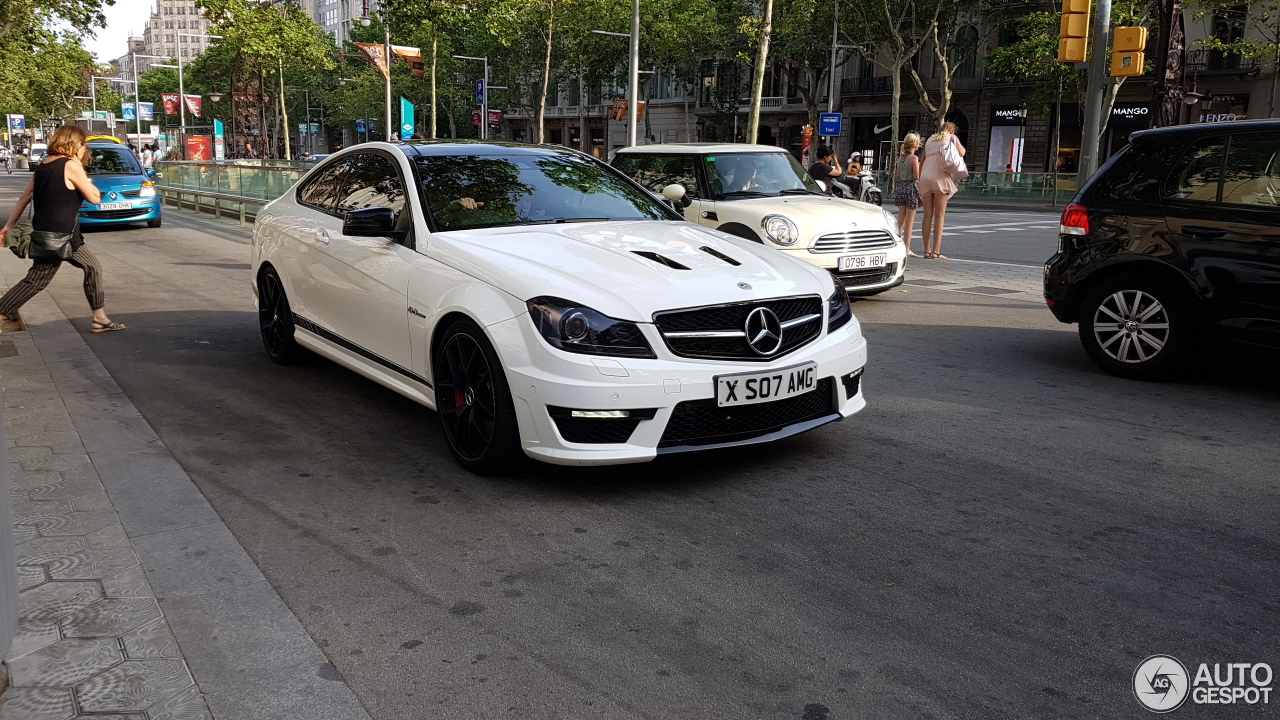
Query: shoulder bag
[(952, 162), (46, 245)]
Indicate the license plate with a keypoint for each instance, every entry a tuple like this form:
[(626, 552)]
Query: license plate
[(114, 206), (862, 262), (759, 387)]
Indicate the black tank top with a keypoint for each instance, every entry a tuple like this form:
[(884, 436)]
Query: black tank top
[(57, 209)]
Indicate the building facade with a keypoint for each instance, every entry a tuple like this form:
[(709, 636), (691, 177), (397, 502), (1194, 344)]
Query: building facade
[(173, 30)]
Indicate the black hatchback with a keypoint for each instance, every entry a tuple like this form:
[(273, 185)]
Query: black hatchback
[(1173, 247)]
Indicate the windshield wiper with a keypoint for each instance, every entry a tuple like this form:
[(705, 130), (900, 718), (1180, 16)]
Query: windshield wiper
[(800, 191), (552, 221), (745, 193)]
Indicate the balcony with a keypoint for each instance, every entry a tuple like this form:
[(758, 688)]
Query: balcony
[(766, 104), (866, 86), (1215, 62), (558, 111)]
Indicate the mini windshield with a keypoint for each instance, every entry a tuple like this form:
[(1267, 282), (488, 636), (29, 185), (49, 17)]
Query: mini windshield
[(477, 191), (112, 160), (753, 174)]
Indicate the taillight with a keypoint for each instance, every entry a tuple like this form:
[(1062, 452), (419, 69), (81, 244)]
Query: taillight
[(1075, 220)]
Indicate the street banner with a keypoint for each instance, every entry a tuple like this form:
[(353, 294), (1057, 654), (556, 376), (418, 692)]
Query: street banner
[(412, 56), (377, 55), (194, 102), (302, 128), (147, 111), (199, 147), (406, 119), (17, 122), (619, 110), (170, 103), (360, 126), (219, 141), (126, 111), (495, 118)]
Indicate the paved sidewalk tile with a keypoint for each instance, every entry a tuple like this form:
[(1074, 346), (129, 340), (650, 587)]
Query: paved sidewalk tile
[(1014, 282), (88, 640)]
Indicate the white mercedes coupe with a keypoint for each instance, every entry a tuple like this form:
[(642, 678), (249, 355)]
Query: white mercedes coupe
[(540, 301)]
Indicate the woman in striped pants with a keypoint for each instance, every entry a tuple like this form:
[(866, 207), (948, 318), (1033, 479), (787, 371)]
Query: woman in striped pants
[(57, 188)]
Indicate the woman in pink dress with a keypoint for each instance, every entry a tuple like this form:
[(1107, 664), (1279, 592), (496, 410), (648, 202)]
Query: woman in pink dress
[(936, 188)]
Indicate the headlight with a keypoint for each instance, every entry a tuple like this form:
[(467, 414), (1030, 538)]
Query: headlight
[(892, 221), (838, 311), (575, 328), (148, 190), (780, 229)]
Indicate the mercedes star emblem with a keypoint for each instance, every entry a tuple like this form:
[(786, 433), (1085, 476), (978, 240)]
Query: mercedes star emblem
[(764, 331)]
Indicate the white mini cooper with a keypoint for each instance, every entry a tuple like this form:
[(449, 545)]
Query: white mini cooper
[(761, 193), (541, 302)]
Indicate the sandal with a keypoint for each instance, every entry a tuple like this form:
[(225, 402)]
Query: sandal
[(911, 253), (940, 256), (101, 327)]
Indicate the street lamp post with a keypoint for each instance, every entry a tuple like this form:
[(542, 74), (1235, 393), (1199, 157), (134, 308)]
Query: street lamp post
[(93, 92), (633, 70), (137, 104), (182, 92)]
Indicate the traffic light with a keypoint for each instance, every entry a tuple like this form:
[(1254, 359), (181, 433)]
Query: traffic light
[(1127, 56), (1074, 37)]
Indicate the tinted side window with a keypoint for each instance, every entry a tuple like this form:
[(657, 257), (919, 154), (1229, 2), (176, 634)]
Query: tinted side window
[(1252, 175), (321, 191), (372, 181), (1135, 174), (658, 171), (1198, 174)]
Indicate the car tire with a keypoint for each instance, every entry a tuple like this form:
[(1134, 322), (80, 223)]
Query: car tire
[(153, 223), (1139, 327), (275, 320), (875, 198), (473, 401)]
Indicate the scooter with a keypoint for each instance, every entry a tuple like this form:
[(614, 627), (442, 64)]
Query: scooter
[(864, 188)]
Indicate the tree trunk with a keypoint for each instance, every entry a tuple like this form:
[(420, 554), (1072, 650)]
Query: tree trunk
[(546, 74), (453, 125), (284, 114), (757, 83), (895, 107), (1057, 143), (434, 120), (584, 142), (1275, 73)]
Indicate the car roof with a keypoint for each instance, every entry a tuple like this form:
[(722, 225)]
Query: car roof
[(456, 146), (1181, 133), (103, 139), (703, 148)]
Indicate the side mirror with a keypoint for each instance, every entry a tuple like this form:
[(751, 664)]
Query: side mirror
[(676, 193), (151, 172), (372, 222), (822, 184)]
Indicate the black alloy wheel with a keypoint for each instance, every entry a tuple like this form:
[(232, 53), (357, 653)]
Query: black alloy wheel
[(474, 401), (275, 319), (875, 198), (1139, 327)]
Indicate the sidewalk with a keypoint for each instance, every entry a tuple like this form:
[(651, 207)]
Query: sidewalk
[(136, 600)]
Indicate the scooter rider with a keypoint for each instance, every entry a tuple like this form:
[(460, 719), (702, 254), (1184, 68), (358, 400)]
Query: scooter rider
[(826, 168)]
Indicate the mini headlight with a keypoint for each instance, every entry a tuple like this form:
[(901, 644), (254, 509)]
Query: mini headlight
[(780, 229), (892, 221), (148, 189), (575, 328)]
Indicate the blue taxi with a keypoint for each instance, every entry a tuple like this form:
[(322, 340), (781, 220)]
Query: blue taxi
[(128, 194)]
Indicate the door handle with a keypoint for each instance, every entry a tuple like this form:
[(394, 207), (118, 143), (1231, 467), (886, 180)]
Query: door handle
[(322, 237), (1200, 232)]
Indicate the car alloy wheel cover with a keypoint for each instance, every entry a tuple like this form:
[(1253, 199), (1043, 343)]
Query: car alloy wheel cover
[(465, 396), (764, 331), (273, 315), (1131, 326)]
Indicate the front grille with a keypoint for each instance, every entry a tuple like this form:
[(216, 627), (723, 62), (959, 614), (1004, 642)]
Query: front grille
[(114, 214), (701, 422), (131, 193), (853, 240), (595, 431), (859, 278), (733, 318)]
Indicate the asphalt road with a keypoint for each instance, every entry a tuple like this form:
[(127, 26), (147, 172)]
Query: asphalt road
[(1005, 532)]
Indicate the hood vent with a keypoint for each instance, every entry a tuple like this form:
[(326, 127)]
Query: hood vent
[(716, 253), (660, 259)]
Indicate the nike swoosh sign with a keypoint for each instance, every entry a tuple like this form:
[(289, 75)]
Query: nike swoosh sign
[(877, 129)]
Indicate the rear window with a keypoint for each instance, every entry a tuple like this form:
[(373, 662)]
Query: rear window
[(112, 160), (656, 171)]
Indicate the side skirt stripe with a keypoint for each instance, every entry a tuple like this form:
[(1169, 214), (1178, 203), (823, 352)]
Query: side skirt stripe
[(336, 339)]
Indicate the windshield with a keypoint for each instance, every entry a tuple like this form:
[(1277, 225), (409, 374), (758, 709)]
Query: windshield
[(111, 160), (755, 174), (478, 191)]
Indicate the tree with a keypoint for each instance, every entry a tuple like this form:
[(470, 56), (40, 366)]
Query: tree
[(1261, 21), (24, 17), (891, 33), (949, 45)]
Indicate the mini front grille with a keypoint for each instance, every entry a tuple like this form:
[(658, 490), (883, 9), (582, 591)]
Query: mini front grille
[(723, 328), (114, 214), (702, 422), (867, 277), (853, 240)]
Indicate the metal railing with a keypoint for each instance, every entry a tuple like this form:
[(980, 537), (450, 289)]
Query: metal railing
[(866, 85), (228, 187), (1016, 186)]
